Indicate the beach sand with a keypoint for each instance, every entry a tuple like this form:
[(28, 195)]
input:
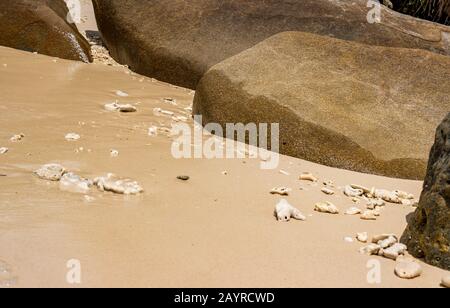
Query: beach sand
[(214, 230)]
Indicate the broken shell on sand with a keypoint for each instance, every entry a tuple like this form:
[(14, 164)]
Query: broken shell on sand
[(282, 191), (407, 268), (17, 138), (119, 186), (72, 137), (327, 191), (125, 108), (114, 153), (51, 172), (284, 212), (326, 207), (73, 183), (349, 191), (3, 151), (308, 177), (353, 211)]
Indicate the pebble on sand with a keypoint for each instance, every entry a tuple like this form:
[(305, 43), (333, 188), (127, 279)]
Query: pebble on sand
[(285, 211), (183, 177), (51, 172), (369, 215), (153, 131), (3, 151), (327, 191), (114, 153), (362, 237), (407, 268)]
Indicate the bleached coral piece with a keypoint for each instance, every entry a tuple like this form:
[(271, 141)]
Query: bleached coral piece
[(283, 191), (285, 211), (353, 211), (371, 249), (349, 191), (326, 207), (362, 237), (308, 177), (369, 215), (125, 108), (394, 251), (51, 172), (17, 138), (73, 183), (119, 186)]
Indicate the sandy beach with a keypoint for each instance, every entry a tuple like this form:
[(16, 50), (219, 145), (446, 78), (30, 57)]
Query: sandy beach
[(215, 230)]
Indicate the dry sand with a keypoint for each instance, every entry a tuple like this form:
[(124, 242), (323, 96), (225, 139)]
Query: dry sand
[(214, 230)]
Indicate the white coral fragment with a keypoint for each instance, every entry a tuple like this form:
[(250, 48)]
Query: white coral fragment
[(116, 185), (285, 211), (326, 207), (51, 172)]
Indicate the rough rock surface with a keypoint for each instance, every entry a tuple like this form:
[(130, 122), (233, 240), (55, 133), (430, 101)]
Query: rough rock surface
[(177, 41), (41, 26), (428, 233), (339, 103)]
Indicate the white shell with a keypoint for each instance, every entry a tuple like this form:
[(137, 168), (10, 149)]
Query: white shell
[(3, 151), (17, 138)]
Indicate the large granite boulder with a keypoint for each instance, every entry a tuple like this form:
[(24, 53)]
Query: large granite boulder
[(41, 26), (177, 41), (339, 103), (428, 233)]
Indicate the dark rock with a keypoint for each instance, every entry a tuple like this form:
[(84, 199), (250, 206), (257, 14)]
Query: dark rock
[(41, 26), (428, 233), (339, 103), (177, 41), (183, 177)]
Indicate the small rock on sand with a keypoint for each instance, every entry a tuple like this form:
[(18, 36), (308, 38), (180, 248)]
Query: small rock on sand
[(3, 151), (183, 177), (308, 177), (407, 268), (327, 191), (114, 153), (51, 172)]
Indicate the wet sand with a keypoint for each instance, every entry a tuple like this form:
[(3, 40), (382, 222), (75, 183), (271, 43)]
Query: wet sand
[(214, 230)]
